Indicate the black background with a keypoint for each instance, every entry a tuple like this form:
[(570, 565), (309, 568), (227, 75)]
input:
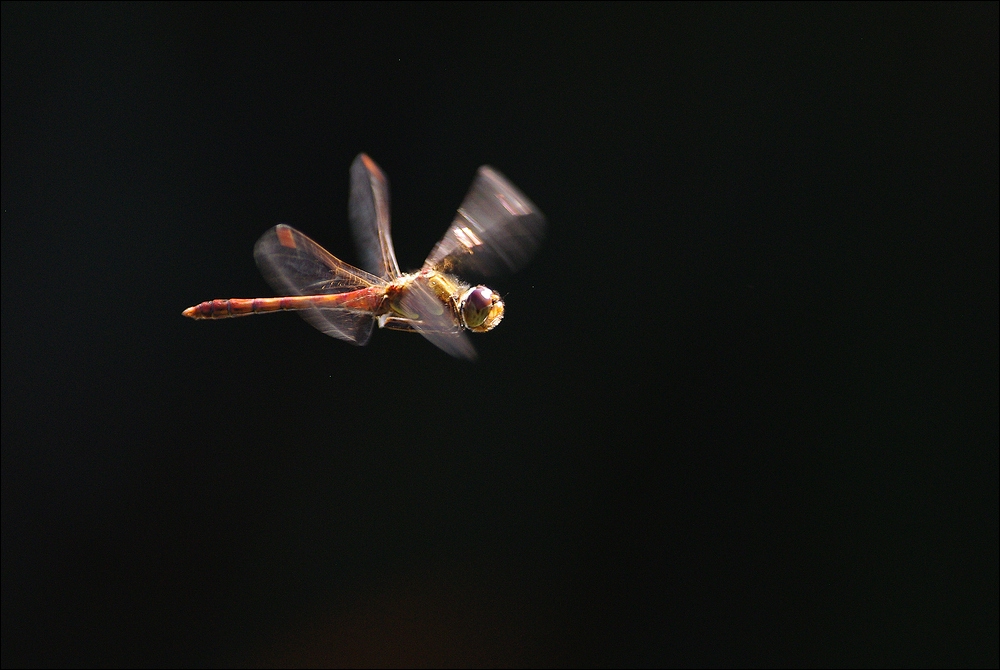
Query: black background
[(743, 408)]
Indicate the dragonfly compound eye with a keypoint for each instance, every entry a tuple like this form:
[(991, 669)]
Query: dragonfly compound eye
[(481, 309)]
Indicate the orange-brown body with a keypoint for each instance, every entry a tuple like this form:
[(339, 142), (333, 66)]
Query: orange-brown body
[(363, 300)]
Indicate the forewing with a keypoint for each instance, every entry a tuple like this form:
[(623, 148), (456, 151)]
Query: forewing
[(295, 265), (435, 322), (368, 210), (497, 230)]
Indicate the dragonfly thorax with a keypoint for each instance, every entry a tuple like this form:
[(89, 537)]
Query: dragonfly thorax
[(476, 308)]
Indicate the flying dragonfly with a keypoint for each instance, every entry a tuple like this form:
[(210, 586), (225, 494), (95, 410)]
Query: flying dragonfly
[(497, 229)]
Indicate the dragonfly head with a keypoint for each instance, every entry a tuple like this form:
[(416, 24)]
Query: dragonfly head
[(480, 309)]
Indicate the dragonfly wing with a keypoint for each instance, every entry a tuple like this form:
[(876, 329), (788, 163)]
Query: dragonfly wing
[(344, 324), (435, 321), (368, 210), (295, 265), (497, 229)]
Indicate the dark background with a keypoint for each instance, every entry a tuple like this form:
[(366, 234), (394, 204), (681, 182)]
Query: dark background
[(743, 408)]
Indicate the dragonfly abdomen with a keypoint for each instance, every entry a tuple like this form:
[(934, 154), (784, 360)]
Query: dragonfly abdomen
[(364, 300)]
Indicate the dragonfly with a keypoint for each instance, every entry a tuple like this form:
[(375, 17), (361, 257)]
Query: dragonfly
[(496, 230)]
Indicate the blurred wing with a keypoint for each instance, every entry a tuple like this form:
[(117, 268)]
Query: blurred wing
[(435, 322), (497, 229), (295, 265), (368, 210)]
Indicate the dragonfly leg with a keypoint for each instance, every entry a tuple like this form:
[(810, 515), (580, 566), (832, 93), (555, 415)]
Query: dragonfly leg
[(395, 323)]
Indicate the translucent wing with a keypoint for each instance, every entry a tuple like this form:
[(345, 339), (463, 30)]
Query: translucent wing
[(295, 265), (497, 229), (435, 322), (368, 210)]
